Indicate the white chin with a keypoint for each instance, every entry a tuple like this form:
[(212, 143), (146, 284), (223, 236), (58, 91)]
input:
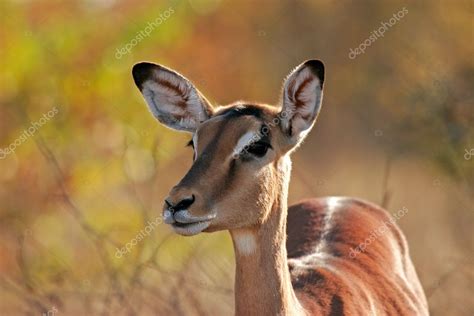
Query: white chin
[(191, 229)]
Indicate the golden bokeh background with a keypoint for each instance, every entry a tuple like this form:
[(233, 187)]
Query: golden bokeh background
[(84, 167)]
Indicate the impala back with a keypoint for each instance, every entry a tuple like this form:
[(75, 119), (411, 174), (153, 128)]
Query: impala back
[(348, 256)]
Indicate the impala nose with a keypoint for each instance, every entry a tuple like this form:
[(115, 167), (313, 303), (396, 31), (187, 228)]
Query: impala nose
[(171, 208), (181, 205)]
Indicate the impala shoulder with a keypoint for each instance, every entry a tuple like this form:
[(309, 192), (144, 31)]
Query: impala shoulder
[(333, 203), (368, 214)]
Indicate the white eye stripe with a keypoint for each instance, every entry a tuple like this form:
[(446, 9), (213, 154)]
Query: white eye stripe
[(195, 142), (246, 140)]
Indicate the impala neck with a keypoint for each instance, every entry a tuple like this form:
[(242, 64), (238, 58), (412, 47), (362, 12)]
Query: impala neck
[(262, 280)]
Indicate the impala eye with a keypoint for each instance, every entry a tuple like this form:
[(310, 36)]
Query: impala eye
[(259, 149)]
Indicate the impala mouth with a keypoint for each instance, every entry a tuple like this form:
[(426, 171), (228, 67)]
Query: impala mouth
[(186, 224), (189, 229)]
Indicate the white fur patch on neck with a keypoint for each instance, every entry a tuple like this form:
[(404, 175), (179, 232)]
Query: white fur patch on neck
[(245, 243), (246, 140)]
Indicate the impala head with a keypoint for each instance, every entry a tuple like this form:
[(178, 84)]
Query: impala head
[(241, 151)]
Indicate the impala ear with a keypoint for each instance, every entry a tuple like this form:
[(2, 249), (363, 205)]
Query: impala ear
[(171, 98), (302, 96)]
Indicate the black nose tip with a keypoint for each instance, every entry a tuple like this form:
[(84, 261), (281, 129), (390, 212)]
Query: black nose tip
[(181, 205)]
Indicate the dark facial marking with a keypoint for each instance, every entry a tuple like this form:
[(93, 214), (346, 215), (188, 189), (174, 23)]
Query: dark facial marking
[(242, 110), (202, 165)]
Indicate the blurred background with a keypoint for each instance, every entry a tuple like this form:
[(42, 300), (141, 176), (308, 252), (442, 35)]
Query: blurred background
[(84, 167)]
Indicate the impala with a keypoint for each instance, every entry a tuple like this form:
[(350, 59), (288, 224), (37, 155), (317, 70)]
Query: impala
[(289, 261)]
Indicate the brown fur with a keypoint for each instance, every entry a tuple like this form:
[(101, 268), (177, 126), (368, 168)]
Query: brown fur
[(337, 283), (296, 261), (329, 284)]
